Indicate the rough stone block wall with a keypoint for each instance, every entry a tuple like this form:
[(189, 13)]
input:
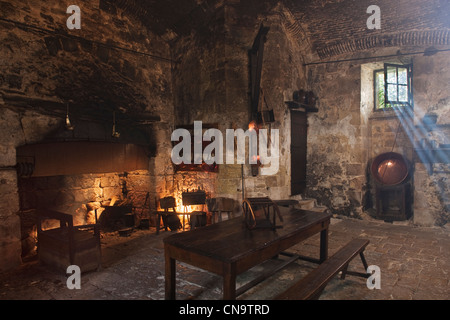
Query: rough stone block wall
[(79, 195), (211, 84), (43, 69), (431, 196), (10, 235), (432, 188), (346, 134), (10, 245), (335, 155)]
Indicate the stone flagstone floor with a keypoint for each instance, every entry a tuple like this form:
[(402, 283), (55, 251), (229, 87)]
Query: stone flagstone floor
[(414, 264)]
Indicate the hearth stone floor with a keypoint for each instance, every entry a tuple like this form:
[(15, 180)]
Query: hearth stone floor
[(414, 264)]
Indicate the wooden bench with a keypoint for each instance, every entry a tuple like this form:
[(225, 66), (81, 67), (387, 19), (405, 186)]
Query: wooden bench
[(311, 286)]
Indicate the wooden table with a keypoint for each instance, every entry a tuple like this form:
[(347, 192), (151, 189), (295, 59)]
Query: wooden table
[(228, 248)]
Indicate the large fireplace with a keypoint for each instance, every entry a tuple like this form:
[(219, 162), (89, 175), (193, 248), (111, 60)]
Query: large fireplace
[(83, 179)]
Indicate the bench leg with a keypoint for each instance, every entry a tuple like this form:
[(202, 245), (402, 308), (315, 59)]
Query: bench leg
[(344, 272), (359, 274), (363, 259), (317, 295), (323, 245)]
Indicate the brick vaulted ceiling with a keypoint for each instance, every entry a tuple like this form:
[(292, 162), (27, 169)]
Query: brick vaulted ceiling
[(332, 27), (339, 26)]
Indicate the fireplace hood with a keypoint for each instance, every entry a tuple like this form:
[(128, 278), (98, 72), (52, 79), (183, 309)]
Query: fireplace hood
[(82, 157)]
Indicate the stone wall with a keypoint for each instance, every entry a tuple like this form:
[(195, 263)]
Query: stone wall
[(45, 65), (346, 134), (211, 84), (335, 147), (431, 180), (79, 195)]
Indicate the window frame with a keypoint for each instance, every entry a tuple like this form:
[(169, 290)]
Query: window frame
[(393, 104), (376, 93)]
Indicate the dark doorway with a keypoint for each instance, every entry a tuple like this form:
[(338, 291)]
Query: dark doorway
[(298, 151)]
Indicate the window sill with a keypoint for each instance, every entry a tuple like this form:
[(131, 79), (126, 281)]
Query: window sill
[(390, 113)]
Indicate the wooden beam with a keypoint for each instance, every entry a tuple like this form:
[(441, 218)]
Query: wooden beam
[(256, 60)]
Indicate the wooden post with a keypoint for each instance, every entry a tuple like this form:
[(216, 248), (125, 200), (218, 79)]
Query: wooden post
[(229, 281), (324, 245)]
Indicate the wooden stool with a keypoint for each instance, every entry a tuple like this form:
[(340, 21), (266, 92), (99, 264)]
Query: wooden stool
[(169, 218)]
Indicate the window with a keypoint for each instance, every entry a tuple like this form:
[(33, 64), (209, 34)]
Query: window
[(379, 89), (393, 86)]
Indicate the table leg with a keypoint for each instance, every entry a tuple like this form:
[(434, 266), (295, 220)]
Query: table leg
[(158, 222), (170, 274), (229, 282), (323, 245)]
